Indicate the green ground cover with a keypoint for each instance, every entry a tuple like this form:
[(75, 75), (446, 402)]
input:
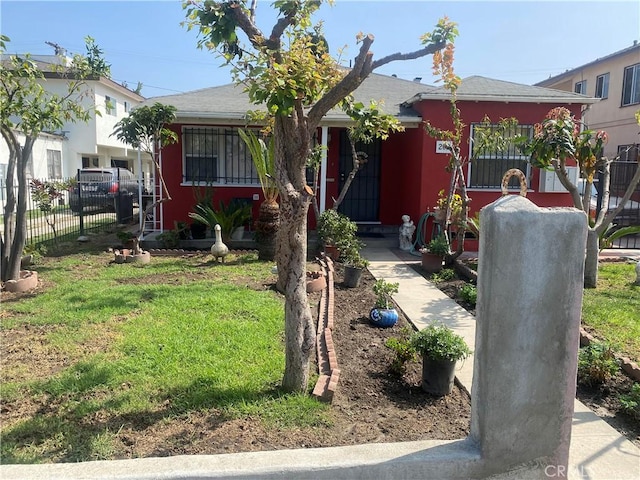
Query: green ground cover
[(612, 311), (176, 336)]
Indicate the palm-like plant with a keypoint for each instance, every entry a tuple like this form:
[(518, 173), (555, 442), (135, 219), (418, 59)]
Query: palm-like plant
[(268, 220)]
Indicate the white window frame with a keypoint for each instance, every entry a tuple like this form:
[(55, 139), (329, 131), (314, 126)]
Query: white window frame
[(54, 163), (580, 87), (634, 78), (602, 86), (110, 105), (518, 157)]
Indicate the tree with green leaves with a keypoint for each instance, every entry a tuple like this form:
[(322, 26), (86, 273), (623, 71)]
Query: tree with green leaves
[(290, 72), (560, 138), (145, 128), (29, 109)]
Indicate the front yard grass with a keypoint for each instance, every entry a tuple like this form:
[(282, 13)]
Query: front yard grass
[(611, 312), (122, 343)]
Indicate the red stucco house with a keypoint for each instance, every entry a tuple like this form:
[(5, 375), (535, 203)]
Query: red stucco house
[(403, 174)]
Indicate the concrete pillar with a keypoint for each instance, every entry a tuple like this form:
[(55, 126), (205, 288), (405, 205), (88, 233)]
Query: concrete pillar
[(530, 281)]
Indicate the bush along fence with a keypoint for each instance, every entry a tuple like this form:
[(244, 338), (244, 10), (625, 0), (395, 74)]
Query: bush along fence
[(56, 213)]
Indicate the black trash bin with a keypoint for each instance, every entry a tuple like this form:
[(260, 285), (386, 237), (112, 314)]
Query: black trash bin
[(124, 209)]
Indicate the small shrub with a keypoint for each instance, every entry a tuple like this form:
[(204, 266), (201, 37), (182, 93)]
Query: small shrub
[(404, 352), (596, 364), (630, 402), (469, 293), (170, 238), (384, 290), (443, 275), (439, 342)]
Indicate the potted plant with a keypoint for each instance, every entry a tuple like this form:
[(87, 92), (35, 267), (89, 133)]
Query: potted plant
[(354, 263), (384, 314), (440, 348), (127, 238), (335, 231), (198, 230), (440, 209), (433, 255)]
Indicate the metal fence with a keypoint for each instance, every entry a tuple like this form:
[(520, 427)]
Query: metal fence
[(63, 220), (621, 175)]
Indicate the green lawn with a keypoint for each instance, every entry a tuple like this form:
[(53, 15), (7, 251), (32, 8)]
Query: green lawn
[(176, 336), (613, 309)]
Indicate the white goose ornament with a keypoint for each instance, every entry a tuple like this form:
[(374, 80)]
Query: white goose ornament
[(219, 250)]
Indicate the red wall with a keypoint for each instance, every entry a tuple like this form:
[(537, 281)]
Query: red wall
[(412, 173), (434, 177), (183, 196)]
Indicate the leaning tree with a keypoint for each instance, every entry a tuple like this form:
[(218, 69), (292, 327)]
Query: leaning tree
[(28, 110), (560, 138), (290, 72)]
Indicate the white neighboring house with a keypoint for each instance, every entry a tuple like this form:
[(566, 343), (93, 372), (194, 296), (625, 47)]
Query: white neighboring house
[(82, 145)]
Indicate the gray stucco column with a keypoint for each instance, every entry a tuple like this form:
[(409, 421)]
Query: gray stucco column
[(530, 283)]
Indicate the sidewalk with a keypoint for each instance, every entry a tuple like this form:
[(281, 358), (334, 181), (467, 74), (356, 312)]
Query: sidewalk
[(598, 451)]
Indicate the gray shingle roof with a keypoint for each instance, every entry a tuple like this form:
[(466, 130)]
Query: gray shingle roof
[(481, 89), (230, 102)]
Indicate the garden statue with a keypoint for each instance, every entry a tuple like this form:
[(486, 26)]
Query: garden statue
[(219, 250), (406, 233)]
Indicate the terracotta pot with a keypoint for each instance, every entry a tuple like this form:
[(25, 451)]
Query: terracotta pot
[(316, 282), (332, 251), (28, 280), (431, 263)]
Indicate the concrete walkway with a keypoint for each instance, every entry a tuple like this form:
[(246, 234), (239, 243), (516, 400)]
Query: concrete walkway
[(598, 451)]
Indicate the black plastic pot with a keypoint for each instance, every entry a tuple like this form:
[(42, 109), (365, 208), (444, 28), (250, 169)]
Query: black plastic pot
[(198, 230), (352, 276), (438, 376)]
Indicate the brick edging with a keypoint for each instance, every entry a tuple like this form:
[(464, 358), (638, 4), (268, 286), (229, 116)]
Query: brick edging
[(628, 366), (328, 370)]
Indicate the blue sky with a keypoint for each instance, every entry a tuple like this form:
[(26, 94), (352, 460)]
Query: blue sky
[(518, 41)]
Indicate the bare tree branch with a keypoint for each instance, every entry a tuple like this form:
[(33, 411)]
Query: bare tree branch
[(247, 25), (429, 49), (344, 87), (621, 204)]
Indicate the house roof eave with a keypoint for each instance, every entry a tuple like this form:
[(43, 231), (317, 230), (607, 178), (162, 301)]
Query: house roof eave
[(505, 99), (241, 119)]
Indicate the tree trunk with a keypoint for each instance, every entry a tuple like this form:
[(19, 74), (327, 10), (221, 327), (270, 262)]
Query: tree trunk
[(591, 259), (300, 333), (291, 150), (13, 249)]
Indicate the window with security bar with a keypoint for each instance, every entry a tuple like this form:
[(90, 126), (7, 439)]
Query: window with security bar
[(216, 156), (490, 164), (629, 153)]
